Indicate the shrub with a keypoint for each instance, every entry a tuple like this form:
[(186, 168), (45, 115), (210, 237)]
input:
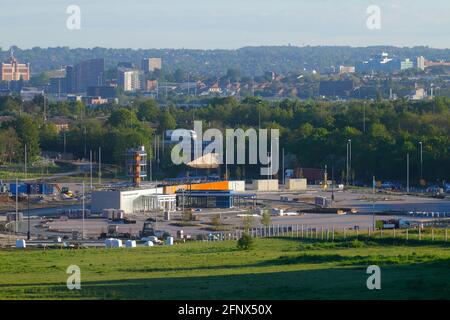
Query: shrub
[(246, 242)]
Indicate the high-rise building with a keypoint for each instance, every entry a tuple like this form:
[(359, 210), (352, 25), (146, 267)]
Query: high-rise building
[(88, 73), (58, 86), (406, 64), (129, 79), (151, 64), (421, 63), (14, 71)]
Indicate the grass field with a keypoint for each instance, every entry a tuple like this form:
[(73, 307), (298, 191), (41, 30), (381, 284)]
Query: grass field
[(283, 268)]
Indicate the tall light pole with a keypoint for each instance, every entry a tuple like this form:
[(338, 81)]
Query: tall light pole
[(346, 177), (350, 160), (82, 221), (407, 173), (421, 160)]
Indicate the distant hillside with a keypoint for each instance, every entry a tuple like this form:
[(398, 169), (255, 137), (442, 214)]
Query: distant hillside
[(250, 60)]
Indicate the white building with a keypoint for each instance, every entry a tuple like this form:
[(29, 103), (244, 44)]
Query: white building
[(421, 63), (133, 200), (130, 80)]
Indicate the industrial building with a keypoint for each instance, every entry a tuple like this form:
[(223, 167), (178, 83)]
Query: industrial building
[(133, 200), (265, 185), (213, 199), (296, 184)]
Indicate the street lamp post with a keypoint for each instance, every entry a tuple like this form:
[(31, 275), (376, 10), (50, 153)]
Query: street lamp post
[(349, 158), (350, 161), (421, 160)]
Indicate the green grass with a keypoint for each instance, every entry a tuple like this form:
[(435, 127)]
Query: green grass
[(284, 268)]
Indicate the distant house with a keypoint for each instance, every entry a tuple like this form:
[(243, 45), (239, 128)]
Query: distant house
[(339, 88), (62, 124), (215, 89)]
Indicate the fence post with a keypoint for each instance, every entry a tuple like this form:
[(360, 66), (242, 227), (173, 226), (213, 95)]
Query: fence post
[(420, 235), (296, 227), (368, 232), (407, 234), (321, 233), (328, 234), (332, 235), (303, 231)]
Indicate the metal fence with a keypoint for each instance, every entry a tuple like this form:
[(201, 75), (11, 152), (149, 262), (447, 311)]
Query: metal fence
[(327, 233)]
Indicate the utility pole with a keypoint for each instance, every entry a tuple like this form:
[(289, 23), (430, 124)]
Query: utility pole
[(407, 173), (350, 160), (421, 160), (373, 203), (82, 221), (332, 184), (28, 211), (99, 166), (284, 175), (26, 161), (347, 167), (85, 150), (17, 205), (90, 160)]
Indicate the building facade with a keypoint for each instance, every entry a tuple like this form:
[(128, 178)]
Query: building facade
[(130, 80), (15, 71), (88, 73), (151, 64)]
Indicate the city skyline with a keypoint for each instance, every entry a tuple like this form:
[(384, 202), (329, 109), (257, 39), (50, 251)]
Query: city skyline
[(206, 25)]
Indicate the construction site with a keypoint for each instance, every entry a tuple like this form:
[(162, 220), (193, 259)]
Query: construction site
[(192, 208)]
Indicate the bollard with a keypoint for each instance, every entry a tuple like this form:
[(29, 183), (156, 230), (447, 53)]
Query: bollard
[(357, 234), (345, 234), (333, 235), (321, 234), (368, 232), (407, 234), (432, 234), (420, 235), (328, 234), (296, 226), (302, 231)]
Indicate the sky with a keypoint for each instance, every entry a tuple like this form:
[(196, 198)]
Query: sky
[(230, 24)]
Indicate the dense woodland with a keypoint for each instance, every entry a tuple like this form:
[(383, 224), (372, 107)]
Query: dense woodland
[(313, 134)]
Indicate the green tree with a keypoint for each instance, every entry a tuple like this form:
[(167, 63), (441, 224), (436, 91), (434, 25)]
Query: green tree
[(28, 133), (148, 110), (167, 121), (246, 242)]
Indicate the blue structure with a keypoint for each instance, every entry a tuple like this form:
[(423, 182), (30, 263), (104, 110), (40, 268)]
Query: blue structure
[(213, 199), (35, 188)]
